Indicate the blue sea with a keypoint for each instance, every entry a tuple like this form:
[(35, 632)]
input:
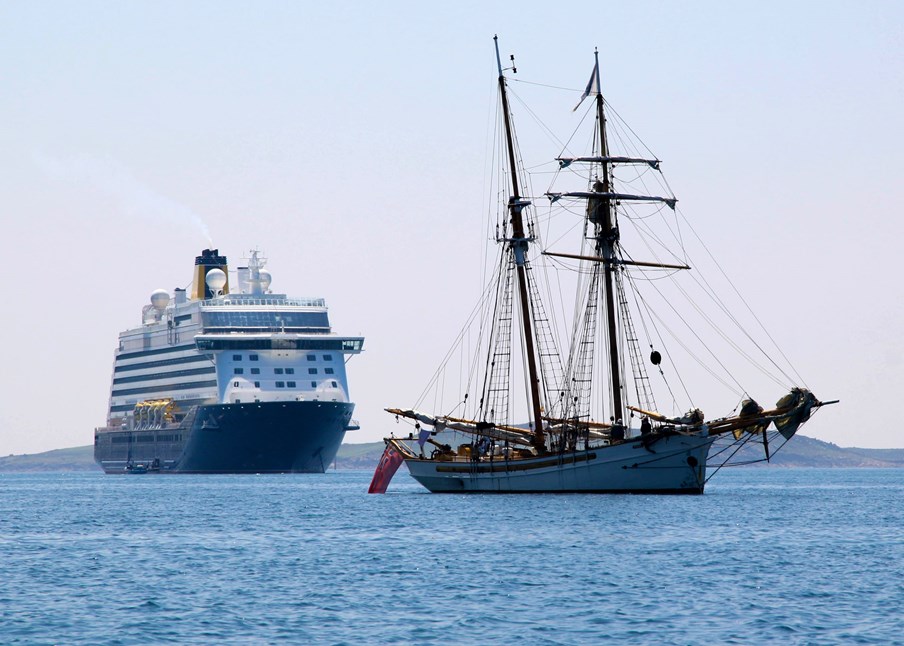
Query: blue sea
[(792, 556)]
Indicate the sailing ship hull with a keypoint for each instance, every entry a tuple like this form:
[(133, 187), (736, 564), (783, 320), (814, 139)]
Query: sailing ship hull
[(663, 464), (265, 437)]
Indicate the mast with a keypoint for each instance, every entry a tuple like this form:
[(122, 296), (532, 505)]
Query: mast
[(603, 216), (519, 245)]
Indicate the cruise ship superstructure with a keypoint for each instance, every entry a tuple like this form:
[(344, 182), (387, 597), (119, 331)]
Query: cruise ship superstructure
[(223, 381)]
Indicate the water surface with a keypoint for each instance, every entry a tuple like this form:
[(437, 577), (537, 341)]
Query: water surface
[(766, 555)]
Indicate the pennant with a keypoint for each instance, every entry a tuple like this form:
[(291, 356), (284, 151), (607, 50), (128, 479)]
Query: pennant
[(593, 86), (386, 468)]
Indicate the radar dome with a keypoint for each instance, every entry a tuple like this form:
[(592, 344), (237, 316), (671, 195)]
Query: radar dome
[(216, 280), (266, 279), (160, 299)]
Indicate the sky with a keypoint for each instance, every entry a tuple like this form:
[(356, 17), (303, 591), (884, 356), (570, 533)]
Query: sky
[(348, 141)]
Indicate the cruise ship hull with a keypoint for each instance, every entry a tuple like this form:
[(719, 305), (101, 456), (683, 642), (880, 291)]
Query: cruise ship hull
[(265, 437), (662, 464)]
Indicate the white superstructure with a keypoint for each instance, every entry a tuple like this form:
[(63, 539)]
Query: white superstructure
[(216, 346)]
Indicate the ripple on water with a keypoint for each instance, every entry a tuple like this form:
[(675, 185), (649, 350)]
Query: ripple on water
[(795, 556)]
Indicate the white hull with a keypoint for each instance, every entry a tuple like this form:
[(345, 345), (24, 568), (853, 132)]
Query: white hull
[(669, 464)]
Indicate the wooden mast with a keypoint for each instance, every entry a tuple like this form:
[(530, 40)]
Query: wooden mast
[(519, 244), (606, 239)]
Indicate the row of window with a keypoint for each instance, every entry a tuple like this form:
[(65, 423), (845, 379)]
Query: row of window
[(287, 384), (159, 364), (209, 370), (280, 371), (254, 357), (125, 439), (164, 388)]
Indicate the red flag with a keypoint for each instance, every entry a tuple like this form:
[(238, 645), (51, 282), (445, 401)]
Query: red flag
[(389, 464)]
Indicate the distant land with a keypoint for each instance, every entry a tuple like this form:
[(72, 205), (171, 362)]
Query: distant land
[(801, 452)]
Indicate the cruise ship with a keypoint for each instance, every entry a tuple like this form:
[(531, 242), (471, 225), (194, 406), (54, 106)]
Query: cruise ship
[(228, 381)]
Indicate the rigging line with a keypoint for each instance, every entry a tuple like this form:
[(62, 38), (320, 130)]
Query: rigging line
[(735, 452), (644, 228), (493, 337), (473, 365), (554, 87), (577, 129), (488, 174), (624, 142), (619, 119), (664, 346), (473, 314), (645, 231), (773, 451), (710, 292), (561, 237), (721, 449), (707, 290), (545, 337), (632, 214), (752, 312), (694, 356), (517, 313), (717, 328), (725, 337), (552, 318), (713, 295), (629, 340), (543, 127), (635, 292)]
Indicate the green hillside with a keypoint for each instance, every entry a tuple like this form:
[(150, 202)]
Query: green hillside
[(79, 458), (801, 452)]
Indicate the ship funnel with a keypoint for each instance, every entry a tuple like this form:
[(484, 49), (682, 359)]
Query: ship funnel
[(209, 259)]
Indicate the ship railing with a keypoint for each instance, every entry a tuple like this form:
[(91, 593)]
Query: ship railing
[(264, 329), (243, 301)]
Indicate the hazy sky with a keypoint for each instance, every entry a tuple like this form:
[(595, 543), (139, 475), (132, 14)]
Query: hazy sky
[(348, 141)]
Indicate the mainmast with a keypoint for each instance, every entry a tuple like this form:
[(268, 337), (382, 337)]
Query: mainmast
[(601, 213), (519, 244)]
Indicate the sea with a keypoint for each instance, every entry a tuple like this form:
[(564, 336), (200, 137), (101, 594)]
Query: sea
[(766, 555)]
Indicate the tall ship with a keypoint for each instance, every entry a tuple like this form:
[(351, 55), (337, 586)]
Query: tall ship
[(591, 400), (223, 380)]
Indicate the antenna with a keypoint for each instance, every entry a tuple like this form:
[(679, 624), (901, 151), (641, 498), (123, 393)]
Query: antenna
[(499, 60)]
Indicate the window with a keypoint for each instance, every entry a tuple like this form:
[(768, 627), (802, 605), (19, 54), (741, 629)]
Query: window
[(311, 357), (239, 371), (290, 384), (252, 357), (255, 371), (328, 371), (335, 385), (238, 401), (280, 384), (290, 371), (236, 357), (312, 371), (257, 384), (313, 384), (235, 383), (327, 357), (277, 371)]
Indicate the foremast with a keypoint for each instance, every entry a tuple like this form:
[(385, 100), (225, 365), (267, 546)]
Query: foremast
[(518, 244)]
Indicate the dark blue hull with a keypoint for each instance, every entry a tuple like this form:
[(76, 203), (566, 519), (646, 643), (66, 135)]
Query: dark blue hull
[(266, 437)]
